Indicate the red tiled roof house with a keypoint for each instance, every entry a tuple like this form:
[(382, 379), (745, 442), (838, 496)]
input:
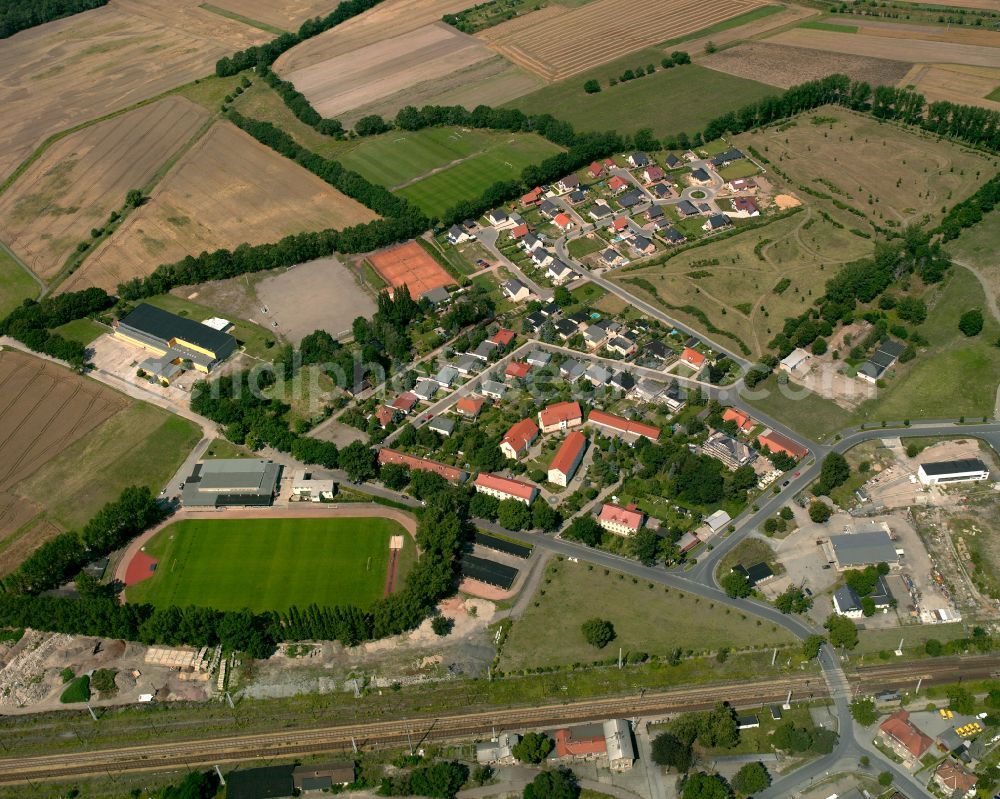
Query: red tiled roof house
[(560, 416), (516, 441), (899, 734), (567, 459), (505, 488), (621, 521)]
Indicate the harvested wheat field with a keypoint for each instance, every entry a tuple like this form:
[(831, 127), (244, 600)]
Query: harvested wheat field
[(780, 65), (76, 69), (82, 178), (603, 30), (881, 46), (385, 21), (284, 14), (228, 189), (955, 83), (344, 82)]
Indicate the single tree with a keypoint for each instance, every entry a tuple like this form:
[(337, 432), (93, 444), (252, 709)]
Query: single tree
[(671, 752), (534, 747), (843, 631), (751, 778), (706, 786), (598, 632), (971, 322), (863, 711), (442, 625), (558, 784), (592, 87), (812, 645), (736, 584), (819, 511)]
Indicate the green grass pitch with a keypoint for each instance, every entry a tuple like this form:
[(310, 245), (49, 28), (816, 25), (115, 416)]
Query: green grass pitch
[(271, 564)]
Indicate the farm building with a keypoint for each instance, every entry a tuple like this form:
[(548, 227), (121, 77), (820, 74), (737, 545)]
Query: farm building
[(304, 485), (794, 360), (959, 471), (505, 488), (231, 483), (718, 520), (174, 339), (567, 459), (620, 521)]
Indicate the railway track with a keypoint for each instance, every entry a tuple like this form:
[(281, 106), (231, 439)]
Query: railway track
[(302, 741)]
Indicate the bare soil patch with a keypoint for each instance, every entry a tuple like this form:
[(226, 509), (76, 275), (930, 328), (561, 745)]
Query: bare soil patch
[(228, 189), (410, 265), (603, 30), (319, 295), (76, 69), (342, 82), (385, 21), (784, 66), (82, 178), (285, 14), (44, 408), (954, 83), (896, 49)]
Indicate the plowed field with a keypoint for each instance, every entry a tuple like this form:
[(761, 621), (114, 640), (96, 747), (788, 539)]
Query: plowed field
[(76, 69), (82, 178), (566, 44), (226, 190)]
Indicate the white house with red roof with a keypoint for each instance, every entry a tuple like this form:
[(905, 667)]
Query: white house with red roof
[(560, 416), (621, 521), (693, 358), (505, 488), (518, 438)]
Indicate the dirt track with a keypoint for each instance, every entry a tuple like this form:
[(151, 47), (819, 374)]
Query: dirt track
[(228, 189), (284, 14)]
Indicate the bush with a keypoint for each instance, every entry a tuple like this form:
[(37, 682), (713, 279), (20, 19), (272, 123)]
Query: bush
[(442, 625), (78, 691), (751, 778), (671, 752), (971, 322), (592, 87), (598, 632), (534, 747), (819, 511), (863, 711)]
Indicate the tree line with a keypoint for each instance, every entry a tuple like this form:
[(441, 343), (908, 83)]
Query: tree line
[(31, 322), (19, 15), (300, 106), (442, 529)]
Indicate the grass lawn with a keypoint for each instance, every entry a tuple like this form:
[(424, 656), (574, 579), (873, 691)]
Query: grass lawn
[(757, 740), (468, 179), (585, 245), (223, 448), (914, 637), (549, 632), (739, 169), (270, 564), (252, 337), (142, 445), (16, 285), (734, 22), (82, 330), (808, 413), (834, 27), (307, 392), (669, 101), (994, 95), (925, 387), (588, 293)]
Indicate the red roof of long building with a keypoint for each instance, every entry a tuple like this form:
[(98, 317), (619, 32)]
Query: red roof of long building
[(568, 746), (515, 488), (898, 726), (521, 434), (559, 412), (776, 442), (623, 425), (618, 515), (450, 473), (568, 453)]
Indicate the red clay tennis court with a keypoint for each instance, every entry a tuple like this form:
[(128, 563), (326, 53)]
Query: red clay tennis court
[(410, 264)]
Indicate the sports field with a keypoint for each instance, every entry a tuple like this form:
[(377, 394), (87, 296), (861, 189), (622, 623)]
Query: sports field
[(271, 564), (468, 179)]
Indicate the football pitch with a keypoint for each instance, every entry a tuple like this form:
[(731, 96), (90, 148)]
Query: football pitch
[(271, 564)]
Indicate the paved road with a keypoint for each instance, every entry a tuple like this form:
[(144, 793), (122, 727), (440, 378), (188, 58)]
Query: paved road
[(488, 238)]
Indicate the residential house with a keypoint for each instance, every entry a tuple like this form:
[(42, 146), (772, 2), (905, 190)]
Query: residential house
[(632, 198), (518, 439), (663, 191), (503, 338), (446, 376), (611, 257), (621, 521), (563, 222), (618, 225), (493, 389), (449, 473), (560, 416), (623, 381), (551, 308), (517, 370), (559, 272), (600, 210), (638, 160), (515, 290), (776, 442), (530, 242), (745, 207), (794, 360), (687, 208), (568, 183), (742, 184), (693, 358), (436, 296), (658, 350), (647, 389), (954, 781), (700, 177), (484, 351), (567, 459), (672, 235), (548, 209), (726, 158), (595, 336), (757, 574), (566, 329), (902, 737), (642, 245), (457, 235), (442, 425), (731, 452), (718, 521), (674, 397), (571, 370), (541, 257), (532, 198), (499, 751), (469, 407), (744, 423), (404, 402), (504, 488), (539, 358), (716, 222), (536, 320), (499, 219), (519, 232), (624, 345), (617, 184), (426, 390), (598, 375), (595, 170), (619, 745), (654, 212), (584, 742), (651, 174), (626, 429), (576, 196), (313, 778), (673, 162), (385, 416)]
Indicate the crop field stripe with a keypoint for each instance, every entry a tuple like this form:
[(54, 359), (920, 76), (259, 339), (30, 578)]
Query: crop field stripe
[(269, 564), (253, 23), (732, 22)]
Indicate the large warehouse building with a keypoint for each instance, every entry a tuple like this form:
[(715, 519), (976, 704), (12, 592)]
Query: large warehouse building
[(174, 339), (231, 483), (857, 550), (965, 470)]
